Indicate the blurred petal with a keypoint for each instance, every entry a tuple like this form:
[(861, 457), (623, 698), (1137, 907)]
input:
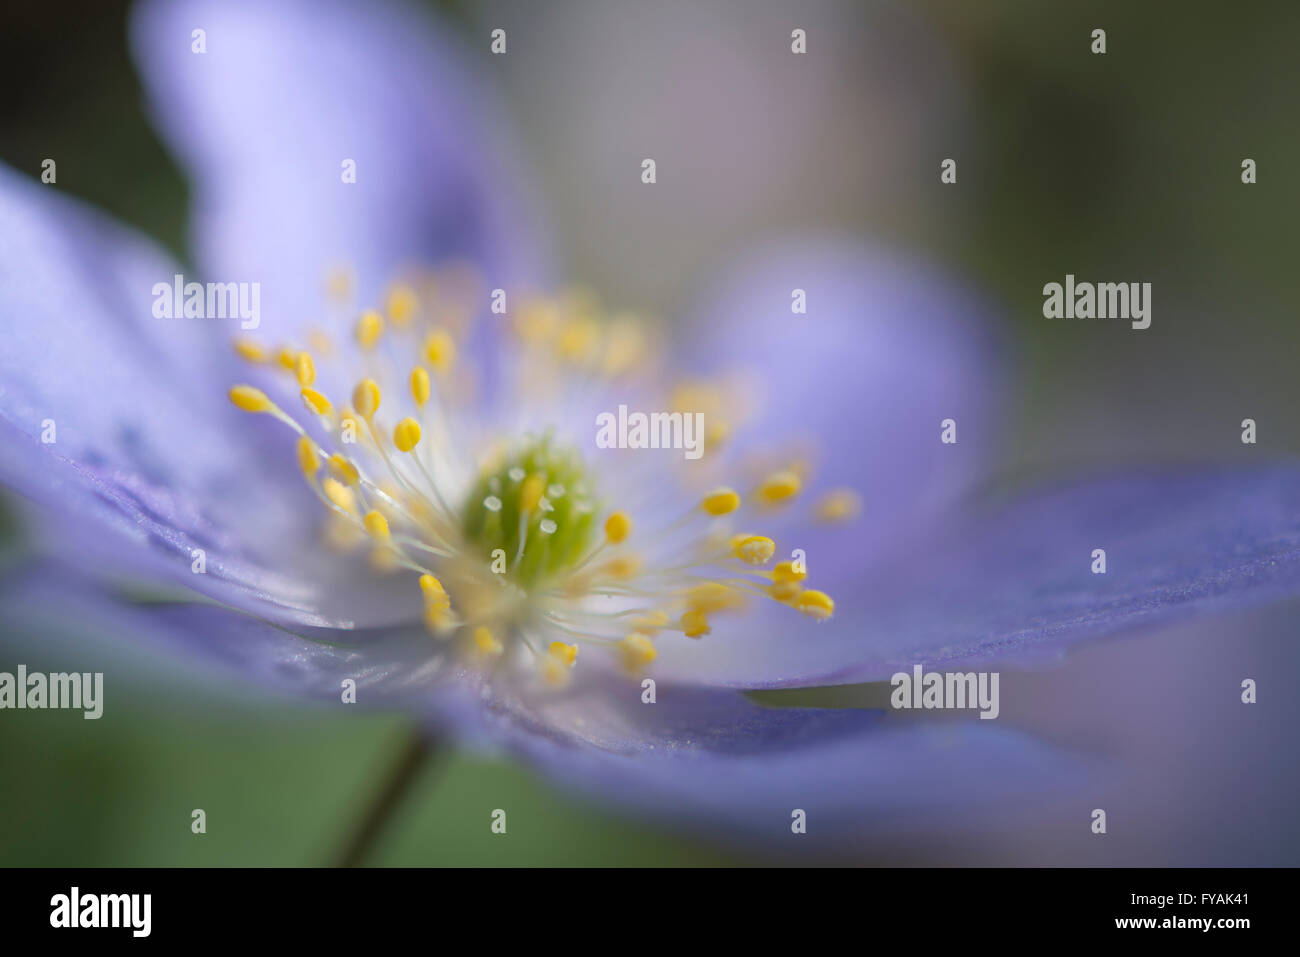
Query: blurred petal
[(1015, 582), (149, 459), (286, 92), (717, 762), (50, 603), (887, 351)]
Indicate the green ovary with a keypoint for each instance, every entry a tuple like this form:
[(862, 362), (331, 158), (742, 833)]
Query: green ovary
[(491, 515)]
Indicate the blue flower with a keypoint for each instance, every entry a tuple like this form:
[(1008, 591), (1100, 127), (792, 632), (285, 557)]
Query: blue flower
[(472, 556)]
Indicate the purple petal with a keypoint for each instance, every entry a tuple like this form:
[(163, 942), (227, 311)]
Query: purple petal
[(1015, 582), (888, 350), (718, 762), (50, 603), (707, 759), (149, 459), (264, 120)]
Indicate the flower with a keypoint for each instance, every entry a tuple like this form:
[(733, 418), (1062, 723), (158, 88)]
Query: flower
[(612, 561)]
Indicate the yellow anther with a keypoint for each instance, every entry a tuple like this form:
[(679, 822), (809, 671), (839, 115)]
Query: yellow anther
[(401, 304), (617, 528), (815, 604), (754, 549), (316, 402), (288, 358), (308, 460), (440, 350), (785, 581), (365, 398), (530, 493), (651, 623), (250, 350), (369, 328), (249, 399), (637, 651), (713, 596), (784, 591), (564, 653), (623, 566), (778, 487), (485, 643), (439, 619), (839, 505), (305, 369), (406, 435), (343, 470), (721, 501), (786, 572), (419, 386), (578, 340), (435, 596), (695, 623), (340, 495), (377, 526)]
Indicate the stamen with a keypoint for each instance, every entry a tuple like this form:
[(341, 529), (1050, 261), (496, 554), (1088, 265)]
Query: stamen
[(440, 350), (558, 663), (520, 549), (721, 501), (366, 398), (617, 528), (343, 470), (778, 487), (754, 549), (369, 329), (815, 604), (377, 526), (652, 623), (401, 304), (305, 369), (785, 581), (308, 460), (839, 505), (251, 351), (339, 494), (564, 652), (316, 402), (695, 624), (250, 399), (486, 643), (420, 386), (406, 435), (637, 651)]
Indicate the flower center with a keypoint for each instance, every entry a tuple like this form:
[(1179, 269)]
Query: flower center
[(528, 565), (532, 515)]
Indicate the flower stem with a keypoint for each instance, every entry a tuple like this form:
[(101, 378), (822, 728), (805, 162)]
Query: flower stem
[(419, 750)]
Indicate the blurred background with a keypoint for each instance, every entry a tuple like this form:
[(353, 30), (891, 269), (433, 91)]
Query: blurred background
[(1125, 166)]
